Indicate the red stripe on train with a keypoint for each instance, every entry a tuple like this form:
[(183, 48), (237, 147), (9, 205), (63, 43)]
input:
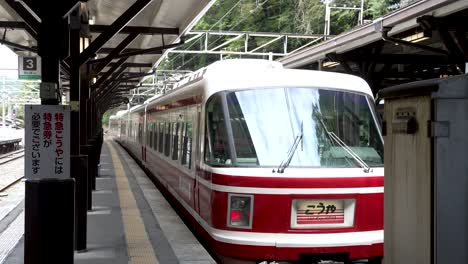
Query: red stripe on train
[(289, 182)]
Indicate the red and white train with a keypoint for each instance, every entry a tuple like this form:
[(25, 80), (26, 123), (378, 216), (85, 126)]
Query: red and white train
[(268, 164)]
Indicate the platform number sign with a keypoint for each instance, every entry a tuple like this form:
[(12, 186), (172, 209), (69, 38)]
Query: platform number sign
[(29, 68)]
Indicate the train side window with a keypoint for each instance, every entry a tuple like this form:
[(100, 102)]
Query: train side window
[(129, 129), (123, 130), (139, 133), (150, 135), (216, 140), (167, 139), (161, 137), (155, 136), (180, 140), (175, 140), (187, 145)]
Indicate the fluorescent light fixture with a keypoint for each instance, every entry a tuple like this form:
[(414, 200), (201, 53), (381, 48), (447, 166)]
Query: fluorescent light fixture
[(329, 64), (416, 37)]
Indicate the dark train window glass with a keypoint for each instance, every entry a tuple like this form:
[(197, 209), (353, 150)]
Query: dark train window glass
[(175, 140), (167, 139), (187, 145), (161, 137), (216, 145)]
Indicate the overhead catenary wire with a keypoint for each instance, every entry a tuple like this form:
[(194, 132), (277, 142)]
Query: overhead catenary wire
[(258, 6), (214, 25)]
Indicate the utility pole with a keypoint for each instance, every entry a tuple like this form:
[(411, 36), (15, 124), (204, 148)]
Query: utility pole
[(326, 31), (328, 9)]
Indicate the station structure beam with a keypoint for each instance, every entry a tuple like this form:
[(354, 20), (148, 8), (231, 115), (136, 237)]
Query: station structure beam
[(155, 50), (104, 80), (454, 51), (108, 73), (109, 50), (113, 29), (105, 61), (137, 65), (19, 25), (32, 24), (136, 29), (101, 28), (17, 46)]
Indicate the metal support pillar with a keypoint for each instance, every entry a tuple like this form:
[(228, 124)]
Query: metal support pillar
[(48, 234), (88, 148), (84, 95), (78, 163), (49, 50), (50, 203)]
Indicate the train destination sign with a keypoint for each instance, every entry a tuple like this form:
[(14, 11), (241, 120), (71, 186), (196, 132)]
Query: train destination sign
[(47, 141), (316, 212)]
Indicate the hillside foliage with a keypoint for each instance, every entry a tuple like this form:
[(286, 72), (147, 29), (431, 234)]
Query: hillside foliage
[(285, 16)]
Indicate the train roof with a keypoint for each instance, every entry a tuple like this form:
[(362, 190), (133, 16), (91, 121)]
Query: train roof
[(121, 113), (240, 74), (137, 107)]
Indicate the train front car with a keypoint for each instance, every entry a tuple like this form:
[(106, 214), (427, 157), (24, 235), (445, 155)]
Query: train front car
[(293, 167)]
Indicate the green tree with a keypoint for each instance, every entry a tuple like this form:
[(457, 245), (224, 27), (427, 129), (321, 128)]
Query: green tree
[(105, 117), (285, 16)]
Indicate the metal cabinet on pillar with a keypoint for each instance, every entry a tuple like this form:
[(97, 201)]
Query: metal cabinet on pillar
[(426, 171)]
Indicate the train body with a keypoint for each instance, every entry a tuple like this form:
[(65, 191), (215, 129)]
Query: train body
[(266, 163)]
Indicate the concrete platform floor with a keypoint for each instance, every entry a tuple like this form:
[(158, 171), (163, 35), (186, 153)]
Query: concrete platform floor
[(111, 235)]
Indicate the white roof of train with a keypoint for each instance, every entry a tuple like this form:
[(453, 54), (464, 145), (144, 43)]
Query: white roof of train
[(239, 74)]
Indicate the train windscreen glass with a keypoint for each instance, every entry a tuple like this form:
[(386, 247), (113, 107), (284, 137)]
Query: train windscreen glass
[(307, 127)]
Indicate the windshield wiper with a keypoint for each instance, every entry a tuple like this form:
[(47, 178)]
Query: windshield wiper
[(299, 139), (340, 142)]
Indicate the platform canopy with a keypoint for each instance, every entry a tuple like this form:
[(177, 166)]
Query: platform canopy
[(427, 39), (159, 24)]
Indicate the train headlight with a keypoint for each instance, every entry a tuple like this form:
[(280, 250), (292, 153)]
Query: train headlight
[(240, 208)]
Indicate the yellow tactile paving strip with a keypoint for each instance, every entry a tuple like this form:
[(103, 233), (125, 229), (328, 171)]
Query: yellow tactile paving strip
[(139, 247)]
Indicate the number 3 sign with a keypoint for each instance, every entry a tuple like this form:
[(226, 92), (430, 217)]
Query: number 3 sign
[(29, 68)]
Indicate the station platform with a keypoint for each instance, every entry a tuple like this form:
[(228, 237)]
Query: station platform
[(131, 221), (9, 144)]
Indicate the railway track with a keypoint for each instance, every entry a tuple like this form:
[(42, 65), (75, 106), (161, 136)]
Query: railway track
[(11, 156), (12, 179), (11, 183)]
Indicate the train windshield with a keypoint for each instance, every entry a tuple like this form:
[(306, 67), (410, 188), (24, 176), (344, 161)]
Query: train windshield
[(311, 127)]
